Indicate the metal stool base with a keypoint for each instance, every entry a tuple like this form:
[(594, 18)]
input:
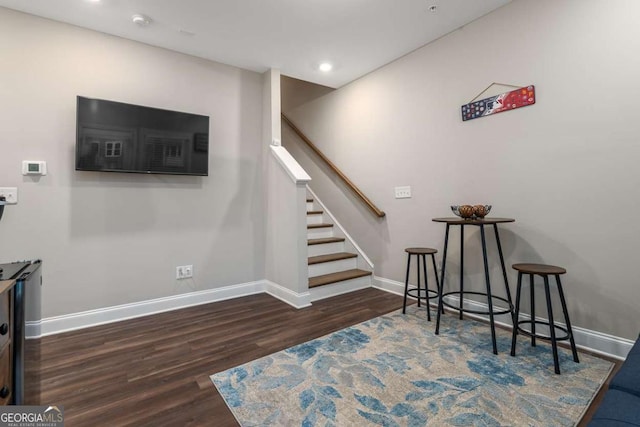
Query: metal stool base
[(418, 293), (540, 270)]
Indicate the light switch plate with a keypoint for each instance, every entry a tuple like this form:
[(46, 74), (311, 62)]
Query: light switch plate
[(403, 192), (10, 194)]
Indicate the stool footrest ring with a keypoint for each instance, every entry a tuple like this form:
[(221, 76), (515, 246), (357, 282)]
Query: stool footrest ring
[(544, 337), (496, 310), (416, 293)]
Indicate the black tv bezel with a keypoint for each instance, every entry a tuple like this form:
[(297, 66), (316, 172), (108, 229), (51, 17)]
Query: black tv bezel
[(128, 171)]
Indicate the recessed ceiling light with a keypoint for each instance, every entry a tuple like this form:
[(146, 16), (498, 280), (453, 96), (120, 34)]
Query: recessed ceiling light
[(325, 67), (93, 1), (141, 20)]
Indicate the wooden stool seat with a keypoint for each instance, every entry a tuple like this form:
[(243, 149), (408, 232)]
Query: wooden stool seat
[(544, 271), (421, 294), (540, 269), (421, 251)]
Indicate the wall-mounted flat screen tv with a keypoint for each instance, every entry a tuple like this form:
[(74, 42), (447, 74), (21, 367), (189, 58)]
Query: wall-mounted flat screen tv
[(117, 137)]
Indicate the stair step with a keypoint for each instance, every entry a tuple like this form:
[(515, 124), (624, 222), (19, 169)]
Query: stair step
[(327, 279), (315, 217), (324, 240), (319, 225), (323, 245), (331, 257)]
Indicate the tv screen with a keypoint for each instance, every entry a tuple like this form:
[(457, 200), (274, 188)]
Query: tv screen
[(117, 137)]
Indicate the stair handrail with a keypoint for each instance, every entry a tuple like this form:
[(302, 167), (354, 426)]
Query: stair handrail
[(334, 168)]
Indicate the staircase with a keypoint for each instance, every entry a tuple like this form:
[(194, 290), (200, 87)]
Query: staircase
[(335, 264)]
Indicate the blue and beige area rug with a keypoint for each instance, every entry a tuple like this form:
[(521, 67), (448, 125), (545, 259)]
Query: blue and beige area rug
[(394, 371)]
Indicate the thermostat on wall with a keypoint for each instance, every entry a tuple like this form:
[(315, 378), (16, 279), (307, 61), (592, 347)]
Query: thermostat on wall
[(31, 167)]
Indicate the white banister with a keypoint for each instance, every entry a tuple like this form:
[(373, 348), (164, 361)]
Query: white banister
[(290, 165)]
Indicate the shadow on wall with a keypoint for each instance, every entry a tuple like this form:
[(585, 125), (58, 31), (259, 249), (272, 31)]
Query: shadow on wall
[(107, 203), (249, 199), (327, 172), (581, 282), (294, 92), (474, 279), (340, 199)]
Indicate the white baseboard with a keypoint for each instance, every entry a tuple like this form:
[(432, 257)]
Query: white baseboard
[(388, 285), (292, 298), (86, 319), (33, 329), (597, 342), (586, 339)]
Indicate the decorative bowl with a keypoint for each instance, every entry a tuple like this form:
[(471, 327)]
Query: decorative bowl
[(480, 211), (463, 211)]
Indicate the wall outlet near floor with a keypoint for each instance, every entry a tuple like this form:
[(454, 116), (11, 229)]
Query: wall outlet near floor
[(184, 272), (403, 192), (10, 194)]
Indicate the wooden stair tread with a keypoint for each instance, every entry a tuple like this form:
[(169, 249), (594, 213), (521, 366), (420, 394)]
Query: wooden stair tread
[(330, 257), (324, 240), (319, 225), (314, 212), (327, 279)]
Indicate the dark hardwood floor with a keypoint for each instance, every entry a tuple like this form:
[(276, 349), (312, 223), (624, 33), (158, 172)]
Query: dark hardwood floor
[(154, 371)]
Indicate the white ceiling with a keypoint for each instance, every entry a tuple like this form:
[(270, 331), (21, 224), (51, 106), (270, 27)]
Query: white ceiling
[(294, 36)]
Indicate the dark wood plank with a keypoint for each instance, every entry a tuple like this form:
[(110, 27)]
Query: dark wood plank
[(313, 226), (324, 240), (327, 279), (154, 370), (319, 259)]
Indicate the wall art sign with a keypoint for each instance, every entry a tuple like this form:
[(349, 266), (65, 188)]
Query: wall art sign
[(520, 97)]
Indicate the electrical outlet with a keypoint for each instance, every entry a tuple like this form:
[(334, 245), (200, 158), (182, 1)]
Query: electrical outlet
[(10, 194), (184, 271), (403, 192), (188, 271)]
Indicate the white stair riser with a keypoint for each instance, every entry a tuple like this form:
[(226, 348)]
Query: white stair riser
[(326, 248), (319, 233), (339, 288), (314, 219), (309, 206), (332, 267)]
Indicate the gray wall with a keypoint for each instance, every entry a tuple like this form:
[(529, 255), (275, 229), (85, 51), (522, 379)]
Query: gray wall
[(565, 168), (297, 92), (280, 197), (109, 239)]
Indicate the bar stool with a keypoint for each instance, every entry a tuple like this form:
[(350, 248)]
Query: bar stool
[(544, 271), (417, 292)]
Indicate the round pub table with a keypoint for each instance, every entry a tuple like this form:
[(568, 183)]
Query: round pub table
[(492, 311)]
